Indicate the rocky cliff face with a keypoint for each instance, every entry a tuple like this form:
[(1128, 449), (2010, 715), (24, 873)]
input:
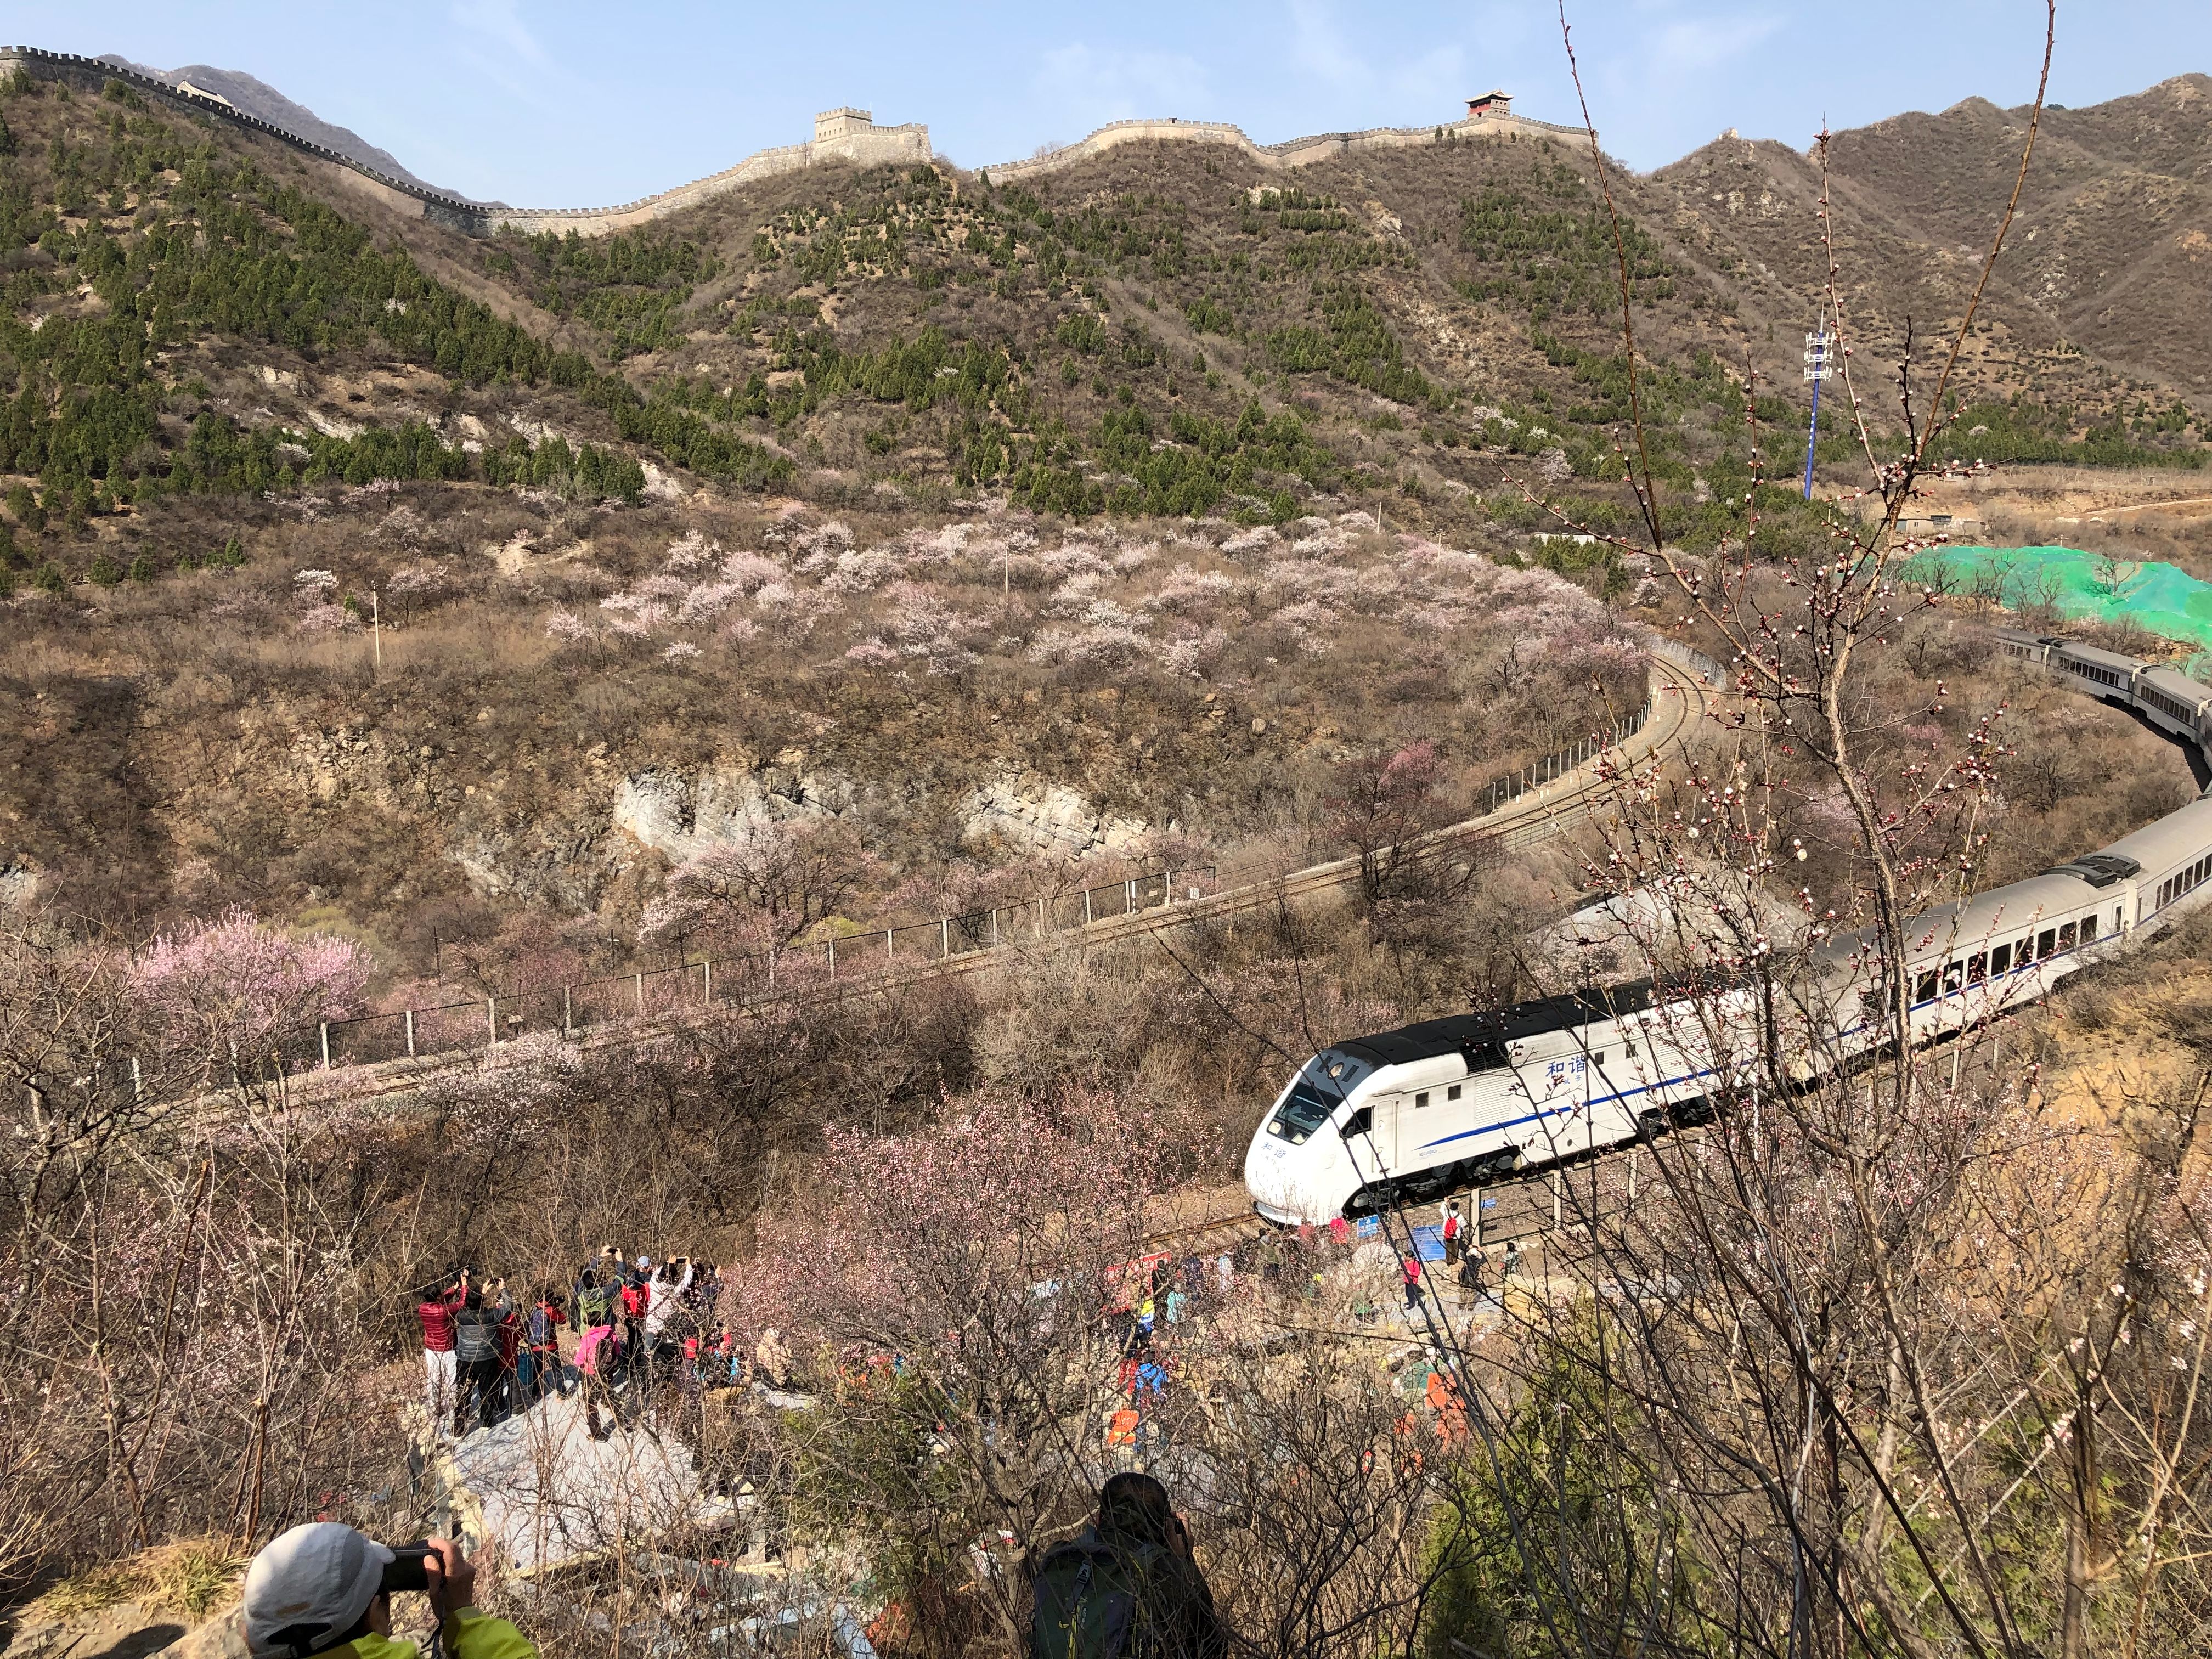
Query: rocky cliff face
[(1022, 813)]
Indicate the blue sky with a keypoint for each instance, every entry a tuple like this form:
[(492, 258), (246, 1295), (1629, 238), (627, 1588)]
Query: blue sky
[(558, 105)]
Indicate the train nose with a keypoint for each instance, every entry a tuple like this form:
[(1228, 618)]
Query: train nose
[(1271, 1176)]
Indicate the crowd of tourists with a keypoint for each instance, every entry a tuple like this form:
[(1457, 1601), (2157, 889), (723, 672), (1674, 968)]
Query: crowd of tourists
[(1158, 1296), (641, 1327), (645, 1328)]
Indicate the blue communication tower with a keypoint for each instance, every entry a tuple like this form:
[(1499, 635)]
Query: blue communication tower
[(1818, 366)]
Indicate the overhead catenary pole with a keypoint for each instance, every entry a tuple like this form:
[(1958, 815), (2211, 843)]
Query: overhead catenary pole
[(1820, 348)]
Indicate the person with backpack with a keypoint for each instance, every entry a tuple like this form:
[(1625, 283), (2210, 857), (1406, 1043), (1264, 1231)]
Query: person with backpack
[(476, 1347), (1454, 1234), (541, 1354), (635, 1296), (593, 1359), (1126, 1587), (595, 1301)]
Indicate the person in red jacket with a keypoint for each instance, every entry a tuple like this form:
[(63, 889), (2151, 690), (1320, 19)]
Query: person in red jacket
[(435, 1309), (510, 1354)]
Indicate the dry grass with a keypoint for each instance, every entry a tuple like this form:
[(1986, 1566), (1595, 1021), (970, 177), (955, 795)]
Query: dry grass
[(191, 1577)]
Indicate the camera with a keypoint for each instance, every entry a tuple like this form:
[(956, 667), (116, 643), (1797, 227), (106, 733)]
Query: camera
[(405, 1571)]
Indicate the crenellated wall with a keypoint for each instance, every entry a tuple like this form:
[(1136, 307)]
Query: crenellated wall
[(1291, 153), (91, 74), (844, 135), (862, 146)]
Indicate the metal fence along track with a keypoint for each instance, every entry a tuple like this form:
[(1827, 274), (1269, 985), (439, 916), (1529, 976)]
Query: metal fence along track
[(388, 1052)]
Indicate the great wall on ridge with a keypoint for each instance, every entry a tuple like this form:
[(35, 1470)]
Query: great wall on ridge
[(845, 134)]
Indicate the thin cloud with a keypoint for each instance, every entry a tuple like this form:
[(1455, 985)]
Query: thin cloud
[(1318, 45), (1437, 76), (1111, 84), (1694, 44), (491, 37), (499, 23)]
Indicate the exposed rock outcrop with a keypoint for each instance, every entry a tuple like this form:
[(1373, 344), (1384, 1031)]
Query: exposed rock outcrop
[(681, 815), (1028, 815)]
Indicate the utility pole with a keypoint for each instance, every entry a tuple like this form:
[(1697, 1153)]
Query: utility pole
[(1820, 346), (375, 633)]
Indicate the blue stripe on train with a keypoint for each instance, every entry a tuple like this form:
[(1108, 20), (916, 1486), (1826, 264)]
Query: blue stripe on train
[(1571, 1107)]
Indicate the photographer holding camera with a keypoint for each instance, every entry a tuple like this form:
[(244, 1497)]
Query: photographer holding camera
[(325, 1588)]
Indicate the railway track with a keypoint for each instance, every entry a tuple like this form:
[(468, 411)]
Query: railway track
[(1562, 1198), (1681, 693)]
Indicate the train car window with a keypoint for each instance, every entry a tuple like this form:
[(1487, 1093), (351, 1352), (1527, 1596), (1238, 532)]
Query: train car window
[(1420, 1100), (1598, 1059), (1951, 976), (2116, 919), (2066, 936), (1452, 1093), (1976, 965), (1304, 1109), (1361, 1122), (2044, 941), (2088, 928), (2000, 960), (1628, 1052), (1925, 988)]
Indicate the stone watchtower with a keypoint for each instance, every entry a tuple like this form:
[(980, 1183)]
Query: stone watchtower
[(844, 123), (852, 135)]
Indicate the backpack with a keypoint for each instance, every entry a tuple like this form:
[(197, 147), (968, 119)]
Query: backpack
[(1090, 1600), (597, 1305), (587, 1351), (634, 1300)]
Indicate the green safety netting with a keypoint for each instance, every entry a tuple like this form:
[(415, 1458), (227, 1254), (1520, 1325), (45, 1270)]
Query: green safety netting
[(2160, 599)]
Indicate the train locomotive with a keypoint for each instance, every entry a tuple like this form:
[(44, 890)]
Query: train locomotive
[(1428, 1107)]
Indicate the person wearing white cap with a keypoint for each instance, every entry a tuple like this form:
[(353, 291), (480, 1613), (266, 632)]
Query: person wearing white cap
[(320, 1589)]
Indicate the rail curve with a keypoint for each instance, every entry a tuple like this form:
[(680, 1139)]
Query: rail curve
[(1685, 686)]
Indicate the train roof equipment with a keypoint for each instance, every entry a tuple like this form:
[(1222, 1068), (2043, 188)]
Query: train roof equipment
[(1480, 1038)]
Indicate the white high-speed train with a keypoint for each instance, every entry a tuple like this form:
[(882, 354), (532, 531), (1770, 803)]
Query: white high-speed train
[(1430, 1107)]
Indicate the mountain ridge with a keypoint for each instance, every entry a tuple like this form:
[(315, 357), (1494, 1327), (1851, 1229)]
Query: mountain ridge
[(256, 97)]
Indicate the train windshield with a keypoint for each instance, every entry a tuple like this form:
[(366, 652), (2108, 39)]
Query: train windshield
[(1320, 1090)]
